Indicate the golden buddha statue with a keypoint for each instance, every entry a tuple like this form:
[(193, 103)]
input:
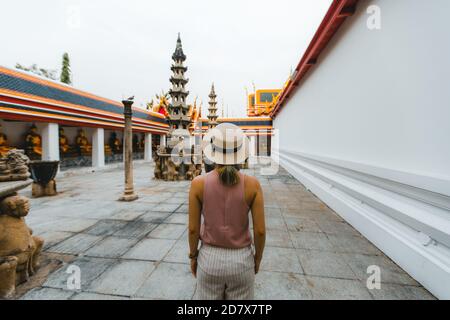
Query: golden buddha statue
[(64, 146), (138, 143), (114, 143), (4, 148), (108, 151), (33, 143), (142, 144), (83, 146)]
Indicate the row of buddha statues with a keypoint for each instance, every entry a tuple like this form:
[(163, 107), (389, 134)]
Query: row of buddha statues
[(82, 146)]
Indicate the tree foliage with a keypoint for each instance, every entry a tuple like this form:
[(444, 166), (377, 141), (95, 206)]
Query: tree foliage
[(47, 73), (65, 70)]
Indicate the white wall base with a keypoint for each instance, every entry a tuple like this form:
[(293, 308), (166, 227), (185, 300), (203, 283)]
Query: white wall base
[(410, 225)]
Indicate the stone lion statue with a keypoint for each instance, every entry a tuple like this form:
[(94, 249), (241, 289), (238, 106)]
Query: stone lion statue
[(19, 249), (14, 166)]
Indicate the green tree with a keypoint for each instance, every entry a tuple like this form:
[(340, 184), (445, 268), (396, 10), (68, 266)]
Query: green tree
[(65, 71), (47, 73)]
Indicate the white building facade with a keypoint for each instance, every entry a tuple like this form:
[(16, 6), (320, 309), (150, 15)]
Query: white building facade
[(367, 129)]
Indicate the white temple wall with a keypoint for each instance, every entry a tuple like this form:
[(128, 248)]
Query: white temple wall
[(368, 131)]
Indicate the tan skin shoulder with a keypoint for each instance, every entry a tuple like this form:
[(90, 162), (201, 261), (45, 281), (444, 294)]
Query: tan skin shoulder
[(251, 188), (197, 186)]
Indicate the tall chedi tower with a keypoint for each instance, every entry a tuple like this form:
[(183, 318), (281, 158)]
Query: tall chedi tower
[(178, 109), (212, 115)]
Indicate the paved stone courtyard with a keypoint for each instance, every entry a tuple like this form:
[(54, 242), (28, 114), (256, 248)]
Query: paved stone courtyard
[(139, 250)]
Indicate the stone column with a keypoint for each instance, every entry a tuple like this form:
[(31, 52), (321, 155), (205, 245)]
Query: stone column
[(98, 148), (128, 194), (50, 142), (148, 147)]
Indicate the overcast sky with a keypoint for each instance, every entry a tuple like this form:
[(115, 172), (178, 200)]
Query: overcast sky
[(119, 48)]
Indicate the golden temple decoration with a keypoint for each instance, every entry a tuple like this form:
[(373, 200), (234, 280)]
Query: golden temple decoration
[(33, 142), (83, 146), (4, 148)]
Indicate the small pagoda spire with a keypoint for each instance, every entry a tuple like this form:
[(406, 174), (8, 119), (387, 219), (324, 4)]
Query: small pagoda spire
[(212, 109), (179, 55), (178, 110)]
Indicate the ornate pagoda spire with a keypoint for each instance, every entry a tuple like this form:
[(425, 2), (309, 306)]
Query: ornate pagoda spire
[(212, 115), (178, 109)]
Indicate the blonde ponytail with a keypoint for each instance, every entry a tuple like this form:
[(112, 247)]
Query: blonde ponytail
[(228, 175)]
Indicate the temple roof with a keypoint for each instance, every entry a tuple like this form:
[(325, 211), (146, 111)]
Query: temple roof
[(31, 98)]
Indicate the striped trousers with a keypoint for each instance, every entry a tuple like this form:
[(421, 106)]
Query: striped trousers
[(225, 274)]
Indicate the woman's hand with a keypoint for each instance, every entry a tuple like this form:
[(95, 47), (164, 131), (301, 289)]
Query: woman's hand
[(257, 263), (194, 267)]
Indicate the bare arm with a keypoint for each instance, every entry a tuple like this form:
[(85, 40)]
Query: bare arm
[(195, 208), (259, 224)]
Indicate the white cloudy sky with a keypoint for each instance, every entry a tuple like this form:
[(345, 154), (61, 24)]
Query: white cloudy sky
[(119, 48)]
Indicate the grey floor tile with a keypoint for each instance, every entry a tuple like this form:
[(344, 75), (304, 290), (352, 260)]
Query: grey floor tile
[(281, 260), (166, 207), (90, 268), (67, 224), (105, 227), (135, 229), (96, 296), (325, 264), (180, 286), (275, 223), (150, 249), (47, 294), (389, 271), (53, 237), (336, 227), (281, 286), (302, 224), (124, 278), (337, 289), (278, 238), (390, 291), (168, 231), (183, 209), (77, 244), (179, 252), (111, 247), (154, 217), (126, 215), (311, 240), (353, 244), (177, 218)]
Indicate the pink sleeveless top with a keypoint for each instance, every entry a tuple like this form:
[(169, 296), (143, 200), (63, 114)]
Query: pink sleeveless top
[(225, 214)]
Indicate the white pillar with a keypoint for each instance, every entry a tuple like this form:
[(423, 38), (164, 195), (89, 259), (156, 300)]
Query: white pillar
[(162, 140), (148, 147), (50, 142), (98, 148), (252, 146)]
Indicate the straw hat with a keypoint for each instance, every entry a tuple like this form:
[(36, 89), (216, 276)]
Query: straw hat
[(226, 144)]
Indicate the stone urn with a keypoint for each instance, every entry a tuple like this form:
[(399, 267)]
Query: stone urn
[(43, 174)]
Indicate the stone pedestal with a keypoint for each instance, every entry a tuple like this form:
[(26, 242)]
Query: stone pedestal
[(8, 267), (39, 190), (19, 249)]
